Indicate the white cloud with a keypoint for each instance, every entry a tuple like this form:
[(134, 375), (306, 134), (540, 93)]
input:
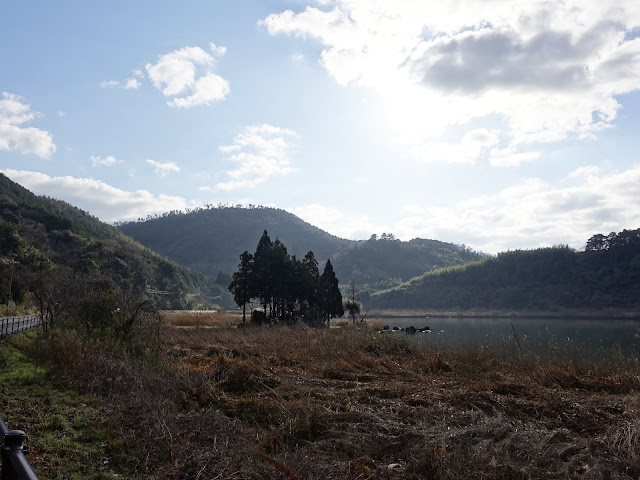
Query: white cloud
[(335, 221), (261, 152), (527, 215), (186, 74), (318, 214), (110, 83), (535, 213), (163, 168), (14, 113), (217, 51), (107, 161), (131, 83), (548, 70), (586, 172), (206, 90), (98, 198)]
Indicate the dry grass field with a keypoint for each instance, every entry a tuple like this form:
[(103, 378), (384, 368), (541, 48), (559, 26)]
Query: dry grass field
[(350, 403)]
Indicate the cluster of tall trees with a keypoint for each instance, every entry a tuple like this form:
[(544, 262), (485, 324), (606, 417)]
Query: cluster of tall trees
[(286, 288)]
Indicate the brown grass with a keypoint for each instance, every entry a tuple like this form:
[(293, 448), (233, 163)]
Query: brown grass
[(201, 318), (350, 403)]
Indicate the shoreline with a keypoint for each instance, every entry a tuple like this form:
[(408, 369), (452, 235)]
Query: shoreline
[(610, 314)]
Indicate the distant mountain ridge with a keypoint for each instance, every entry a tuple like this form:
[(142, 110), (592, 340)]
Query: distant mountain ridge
[(211, 240)]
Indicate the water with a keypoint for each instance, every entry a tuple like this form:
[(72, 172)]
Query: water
[(603, 333)]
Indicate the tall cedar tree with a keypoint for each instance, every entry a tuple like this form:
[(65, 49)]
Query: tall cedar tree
[(242, 282), (281, 270), (309, 282), (262, 271), (330, 296)]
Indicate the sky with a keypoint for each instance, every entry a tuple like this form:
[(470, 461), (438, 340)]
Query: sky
[(498, 125)]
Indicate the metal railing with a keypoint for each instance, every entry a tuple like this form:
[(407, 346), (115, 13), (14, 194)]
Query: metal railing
[(9, 325), (15, 465)]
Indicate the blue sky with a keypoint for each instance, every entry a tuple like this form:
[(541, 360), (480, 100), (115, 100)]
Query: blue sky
[(500, 125)]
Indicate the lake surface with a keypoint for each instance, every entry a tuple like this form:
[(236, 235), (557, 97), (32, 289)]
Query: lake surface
[(535, 332)]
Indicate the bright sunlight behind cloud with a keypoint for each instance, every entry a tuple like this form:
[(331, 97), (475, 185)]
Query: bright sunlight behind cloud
[(491, 123), (549, 70)]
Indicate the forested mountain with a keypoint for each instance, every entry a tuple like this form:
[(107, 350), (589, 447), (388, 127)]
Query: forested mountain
[(605, 275), (211, 240), (383, 262), (38, 233)]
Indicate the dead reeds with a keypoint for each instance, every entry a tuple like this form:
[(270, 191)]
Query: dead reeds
[(200, 318)]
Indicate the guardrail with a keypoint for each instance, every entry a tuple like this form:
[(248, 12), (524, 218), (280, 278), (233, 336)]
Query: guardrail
[(15, 465), (9, 325)]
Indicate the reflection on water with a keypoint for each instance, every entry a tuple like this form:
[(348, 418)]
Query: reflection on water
[(604, 333)]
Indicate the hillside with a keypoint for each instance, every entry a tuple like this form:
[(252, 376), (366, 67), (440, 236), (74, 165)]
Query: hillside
[(39, 232), (605, 275), (381, 263), (211, 240)]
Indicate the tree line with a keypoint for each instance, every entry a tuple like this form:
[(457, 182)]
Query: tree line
[(605, 275), (286, 288), (626, 239), (188, 210)]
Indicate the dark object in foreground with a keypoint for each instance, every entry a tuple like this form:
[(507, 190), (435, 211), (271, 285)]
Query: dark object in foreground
[(15, 465)]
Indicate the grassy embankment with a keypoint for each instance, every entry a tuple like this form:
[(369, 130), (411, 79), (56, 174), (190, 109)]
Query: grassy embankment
[(63, 427), (223, 402)]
